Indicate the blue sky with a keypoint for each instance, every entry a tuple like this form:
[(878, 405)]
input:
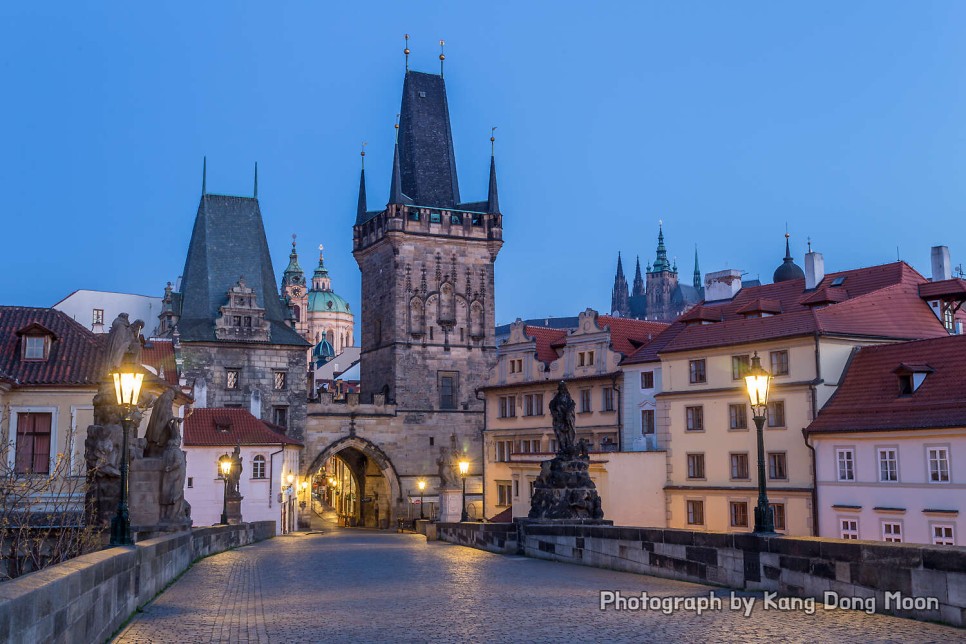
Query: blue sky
[(726, 120)]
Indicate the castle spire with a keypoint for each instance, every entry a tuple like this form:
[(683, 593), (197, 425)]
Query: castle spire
[(255, 192), (697, 271), (661, 263), (204, 176), (492, 200), (638, 289), (361, 208), (619, 304)]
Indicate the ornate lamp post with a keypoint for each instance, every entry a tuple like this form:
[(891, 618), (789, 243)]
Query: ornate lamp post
[(758, 382), (464, 470), (224, 464), (422, 487), (127, 388)]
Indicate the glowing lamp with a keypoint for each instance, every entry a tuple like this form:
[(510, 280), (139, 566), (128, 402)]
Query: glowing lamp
[(758, 382)]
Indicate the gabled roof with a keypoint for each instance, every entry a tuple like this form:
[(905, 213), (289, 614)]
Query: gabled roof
[(869, 397), (216, 427), (547, 341), (227, 243), (883, 302), (650, 351), (426, 158), (761, 305), (955, 287), (627, 335), (74, 357)]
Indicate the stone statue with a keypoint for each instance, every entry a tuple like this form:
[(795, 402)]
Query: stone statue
[(160, 428), (562, 408), (172, 481), (444, 463), (234, 477), (103, 473)]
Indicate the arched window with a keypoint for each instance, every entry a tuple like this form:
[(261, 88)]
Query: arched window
[(258, 467), (297, 312)]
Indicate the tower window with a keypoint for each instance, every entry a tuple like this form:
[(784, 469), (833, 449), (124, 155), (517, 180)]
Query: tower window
[(280, 416), (231, 379), (448, 389)]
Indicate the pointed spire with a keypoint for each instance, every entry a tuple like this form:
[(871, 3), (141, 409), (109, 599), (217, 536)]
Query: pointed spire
[(618, 301), (255, 191), (204, 177), (406, 52), (697, 271), (638, 289), (361, 208), (492, 199), (395, 189), (788, 252), (661, 263), (442, 57), (620, 265)]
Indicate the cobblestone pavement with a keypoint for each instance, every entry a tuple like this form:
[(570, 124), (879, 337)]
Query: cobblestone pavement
[(357, 585)]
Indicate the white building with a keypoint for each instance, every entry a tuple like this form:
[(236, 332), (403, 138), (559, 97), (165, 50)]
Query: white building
[(268, 458), (890, 446), (97, 309)]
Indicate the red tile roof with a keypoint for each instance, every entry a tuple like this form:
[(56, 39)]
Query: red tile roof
[(650, 351), (159, 353), (955, 287), (225, 427), (548, 341), (627, 335), (761, 305), (868, 398), (883, 302), (74, 357)]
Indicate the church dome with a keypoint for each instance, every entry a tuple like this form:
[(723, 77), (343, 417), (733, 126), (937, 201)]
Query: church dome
[(323, 351), (788, 270), (327, 302)]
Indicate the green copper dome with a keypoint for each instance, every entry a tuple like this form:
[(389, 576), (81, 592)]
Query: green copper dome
[(327, 301)]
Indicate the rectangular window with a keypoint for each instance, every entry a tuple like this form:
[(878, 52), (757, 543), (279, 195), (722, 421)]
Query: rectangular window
[(647, 380), (516, 488), (697, 372), (191, 481), (503, 451), (34, 347), (435, 217), (849, 528), (695, 418), (695, 512), (531, 488), (608, 399), (447, 390), (585, 402), (98, 316), (585, 358), (647, 421), (776, 414), (739, 365), (739, 514), (739, 466), (779, 363), (778, 514), (846, 464), (281, 380), (695, 466), (533, 405), (236, 320), (248, 321), (231, 379), (280, 416), (503, 493), (33, 443), (738, 416), (892, 531), (938, 464), (258, 467), (888, 464), (943, 535), (508, 406), (777, 466), (516, 365)]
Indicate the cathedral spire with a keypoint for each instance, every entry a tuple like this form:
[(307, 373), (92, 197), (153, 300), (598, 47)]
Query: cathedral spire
[(396, 195), (255, 192), (204, 176), (492, 200), (697, 271), (619, 304), (361, 208), (638, 289), (661, 263)]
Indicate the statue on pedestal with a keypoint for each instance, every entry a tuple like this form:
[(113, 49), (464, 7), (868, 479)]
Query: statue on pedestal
[(172, 481)]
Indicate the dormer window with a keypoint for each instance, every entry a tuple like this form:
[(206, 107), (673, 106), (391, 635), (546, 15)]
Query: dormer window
[(905, 384), (911, 377), (35, 347), (838, 281)]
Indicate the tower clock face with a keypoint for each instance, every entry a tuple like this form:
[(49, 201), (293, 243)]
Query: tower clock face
[(296, 292)]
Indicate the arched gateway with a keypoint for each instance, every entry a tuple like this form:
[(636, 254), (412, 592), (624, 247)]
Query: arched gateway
[(357, 478)]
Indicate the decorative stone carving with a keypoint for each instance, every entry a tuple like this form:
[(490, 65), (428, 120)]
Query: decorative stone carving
[(241, 318), (564, 489)]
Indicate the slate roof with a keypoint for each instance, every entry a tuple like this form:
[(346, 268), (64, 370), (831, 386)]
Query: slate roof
[(217, 427), (426, 156), (868, 398), (227, 243), (74, 357), (882, 302)]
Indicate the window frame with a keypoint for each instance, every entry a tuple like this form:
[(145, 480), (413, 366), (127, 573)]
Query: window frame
[(698, 371), (647, 377), (896, 531), (772, 409), (694, 511), (948, 465), (504, 494), (851, 532), (648, 428), (258, 467), (229, 385), (441, 378), (279, 380), (941, 541), (736, 472), (586, 401), (739, 363), (696, 466), (283, 411), (44, 348), (733, 425), (607, 399), (779, 518), (879, 452), (783, 367), (735, 516), (849, 462), (18, 415), (694, 418), (780, 457)]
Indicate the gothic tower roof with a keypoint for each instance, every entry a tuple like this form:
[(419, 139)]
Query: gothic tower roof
[(638, 289), (696, 281), (492, 200), (293, 269), (361, 208), (227, 244), (426, 158), (661, 263), (788, 270)]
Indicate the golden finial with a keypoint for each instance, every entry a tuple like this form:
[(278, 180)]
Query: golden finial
[(442, 57), (492, 140), (406, 52)]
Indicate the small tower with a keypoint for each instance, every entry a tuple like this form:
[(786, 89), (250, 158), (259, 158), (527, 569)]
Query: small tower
[(662, 283), (328, 317), (638, 281), (293, 289), (696, 280), (619, 305)]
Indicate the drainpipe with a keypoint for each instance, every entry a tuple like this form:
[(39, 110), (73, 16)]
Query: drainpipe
[(483, 443), (271, 473), (815, 532), (620, 411)]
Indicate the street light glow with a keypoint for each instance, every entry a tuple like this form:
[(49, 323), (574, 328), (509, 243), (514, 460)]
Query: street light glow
[(464, 467), (758, 382)]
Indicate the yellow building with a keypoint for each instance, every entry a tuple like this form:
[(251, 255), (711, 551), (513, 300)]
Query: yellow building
[(519, 434), (803, 327)]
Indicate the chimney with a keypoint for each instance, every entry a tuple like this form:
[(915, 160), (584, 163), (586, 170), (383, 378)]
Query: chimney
[(814, 269), (722, 285), (941, 267)]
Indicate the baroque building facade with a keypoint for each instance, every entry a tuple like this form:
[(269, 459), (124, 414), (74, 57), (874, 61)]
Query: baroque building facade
[(427, 261), (659, 296)]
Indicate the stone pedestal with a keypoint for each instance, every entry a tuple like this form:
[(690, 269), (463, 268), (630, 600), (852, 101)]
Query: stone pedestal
[(450, 506), (234, 510), (564, 490), (144, 486)]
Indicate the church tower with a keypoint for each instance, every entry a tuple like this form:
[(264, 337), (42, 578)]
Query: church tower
[(618, 299), (293, 291), (427, 262), (662, 281)]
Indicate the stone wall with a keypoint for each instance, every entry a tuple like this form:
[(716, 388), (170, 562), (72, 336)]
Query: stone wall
[(493, 537), (791, 566), (89, 598)]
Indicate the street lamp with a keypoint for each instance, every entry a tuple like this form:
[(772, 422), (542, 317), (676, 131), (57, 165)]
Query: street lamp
[(758, 382), (224, 464), (422, 487), (127, 388), (464, 470)]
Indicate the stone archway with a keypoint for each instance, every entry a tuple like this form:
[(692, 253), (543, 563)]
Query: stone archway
[(373, 453)]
